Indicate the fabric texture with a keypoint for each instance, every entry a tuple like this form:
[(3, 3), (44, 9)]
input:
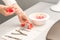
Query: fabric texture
[(9, 2)]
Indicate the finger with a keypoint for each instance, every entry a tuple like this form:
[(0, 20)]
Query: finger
[(24, 18), (20, 18), (3, 11), (8, 11)]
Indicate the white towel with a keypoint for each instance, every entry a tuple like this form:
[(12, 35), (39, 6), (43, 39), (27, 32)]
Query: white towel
[(9, 2)]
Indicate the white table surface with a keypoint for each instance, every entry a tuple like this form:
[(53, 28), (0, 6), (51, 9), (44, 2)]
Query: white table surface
[(39, 7)]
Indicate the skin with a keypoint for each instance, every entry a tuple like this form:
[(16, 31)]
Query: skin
[(21, 14), (3, 10)]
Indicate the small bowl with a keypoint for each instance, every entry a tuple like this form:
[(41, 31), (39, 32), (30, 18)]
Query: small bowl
[(39, 18)]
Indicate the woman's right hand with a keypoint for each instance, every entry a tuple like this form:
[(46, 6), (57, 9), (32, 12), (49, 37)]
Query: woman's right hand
[(6, 10)]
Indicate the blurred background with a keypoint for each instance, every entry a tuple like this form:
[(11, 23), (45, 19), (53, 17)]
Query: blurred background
[(24, 4)]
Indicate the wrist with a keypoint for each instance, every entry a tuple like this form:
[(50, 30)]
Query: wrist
[(18, 9)]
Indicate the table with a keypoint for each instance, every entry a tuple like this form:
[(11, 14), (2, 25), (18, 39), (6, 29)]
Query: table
[(39, 7)]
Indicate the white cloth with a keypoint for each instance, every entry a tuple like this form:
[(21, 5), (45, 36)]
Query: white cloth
[(9, 2)]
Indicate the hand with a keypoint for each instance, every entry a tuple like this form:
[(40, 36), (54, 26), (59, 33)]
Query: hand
[(25, 22), (21, 14), (6, 10), (23, 18)]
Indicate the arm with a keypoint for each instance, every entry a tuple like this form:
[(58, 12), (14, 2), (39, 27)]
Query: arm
[(21, 15)]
